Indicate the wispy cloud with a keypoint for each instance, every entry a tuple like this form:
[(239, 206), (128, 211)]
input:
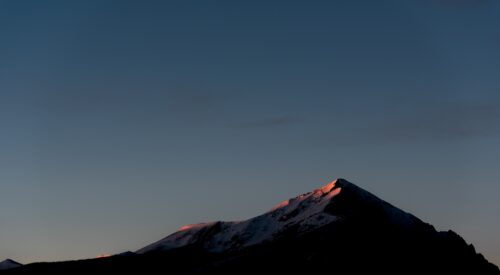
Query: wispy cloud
[(269, 122), (462, 3), (434, 123), (447, 123)]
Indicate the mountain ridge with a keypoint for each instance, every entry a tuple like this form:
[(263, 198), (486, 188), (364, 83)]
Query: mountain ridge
[(261, 227), (306, 210)]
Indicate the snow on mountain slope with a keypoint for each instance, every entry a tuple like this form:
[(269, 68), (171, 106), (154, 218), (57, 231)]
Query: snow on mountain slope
[(9, 264), (304, 213)]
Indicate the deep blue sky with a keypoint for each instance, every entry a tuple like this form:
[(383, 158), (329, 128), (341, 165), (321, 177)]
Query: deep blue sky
[(123, 120)]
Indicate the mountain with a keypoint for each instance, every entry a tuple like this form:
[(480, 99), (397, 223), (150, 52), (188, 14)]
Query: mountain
[(301, 214), (305, 212), (9, 264), (338, 229)]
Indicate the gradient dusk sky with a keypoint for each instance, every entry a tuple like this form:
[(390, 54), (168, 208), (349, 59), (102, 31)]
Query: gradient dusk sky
[(123, 120)]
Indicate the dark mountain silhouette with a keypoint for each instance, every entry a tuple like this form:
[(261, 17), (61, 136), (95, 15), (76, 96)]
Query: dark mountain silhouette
[(337, 229), (9, 264)]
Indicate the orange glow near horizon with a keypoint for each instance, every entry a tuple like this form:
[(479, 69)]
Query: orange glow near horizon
[(327, 188), (193, 226), (281, 205), (186, 227)]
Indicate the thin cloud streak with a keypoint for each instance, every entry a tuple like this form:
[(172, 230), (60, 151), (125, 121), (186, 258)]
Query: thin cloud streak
[(269, 122), (435, 124)]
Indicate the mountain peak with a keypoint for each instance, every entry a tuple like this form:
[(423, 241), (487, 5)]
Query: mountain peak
[(338, 221), (319, 195), (9, 264), (303, 213)]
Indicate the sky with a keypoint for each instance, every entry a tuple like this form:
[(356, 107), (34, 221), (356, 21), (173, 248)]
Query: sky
[(121, 121)]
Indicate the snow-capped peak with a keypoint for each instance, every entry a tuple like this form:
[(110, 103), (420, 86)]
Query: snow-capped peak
[(319, 196), (9, 264), (304, 212)]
